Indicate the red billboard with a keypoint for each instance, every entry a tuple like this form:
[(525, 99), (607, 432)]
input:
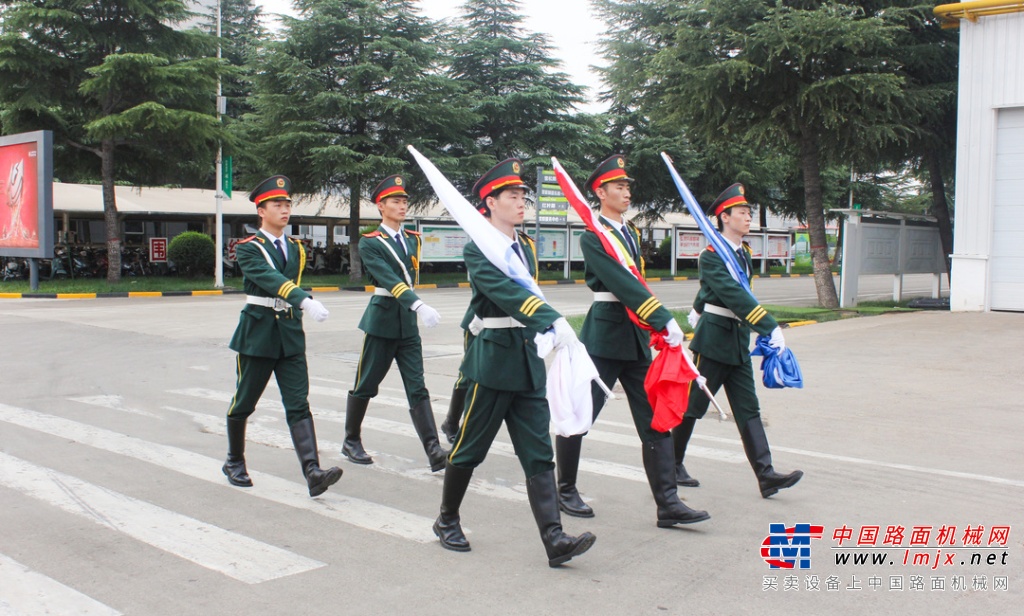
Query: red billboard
[(26, 195)]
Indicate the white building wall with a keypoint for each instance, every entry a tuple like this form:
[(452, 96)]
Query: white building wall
[(991, 78)]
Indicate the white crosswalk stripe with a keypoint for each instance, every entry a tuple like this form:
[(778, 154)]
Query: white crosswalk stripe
[(232, 554), (331, 504), (26, 592)]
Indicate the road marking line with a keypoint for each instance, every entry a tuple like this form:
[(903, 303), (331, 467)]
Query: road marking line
[(113, 402), (353, 511), (29, 592), (236, 556)]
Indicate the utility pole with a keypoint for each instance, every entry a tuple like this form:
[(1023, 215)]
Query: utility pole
[(218, 277)]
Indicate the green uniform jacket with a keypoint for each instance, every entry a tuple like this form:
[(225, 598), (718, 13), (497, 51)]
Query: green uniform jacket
[(262, 331), (607, 331), (505, 359), (725, 339), (390, 317)]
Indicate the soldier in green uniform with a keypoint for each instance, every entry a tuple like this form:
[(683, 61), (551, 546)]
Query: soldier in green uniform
[(721, 347), (620, 349), (269, 338), (390, 257), (506, 377)]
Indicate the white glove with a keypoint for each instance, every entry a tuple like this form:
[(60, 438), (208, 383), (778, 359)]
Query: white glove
[(776, 341), (675, 333), (428, 315), (692, 318), (314, 309), (701, 381), (564, 333), (476, 325)]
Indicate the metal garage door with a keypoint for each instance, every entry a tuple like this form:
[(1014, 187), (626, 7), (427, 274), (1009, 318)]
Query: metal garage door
[(1006, 272)]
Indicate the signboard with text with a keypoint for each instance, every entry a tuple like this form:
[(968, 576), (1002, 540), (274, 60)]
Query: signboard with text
[(158, 250)]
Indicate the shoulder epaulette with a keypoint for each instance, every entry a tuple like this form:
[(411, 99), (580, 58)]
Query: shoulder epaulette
[(525, 237), (250, 238), (372, 234), (410, 232), (747, 247)]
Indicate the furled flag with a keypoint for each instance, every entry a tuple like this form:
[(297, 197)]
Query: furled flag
[(725, 252), (497, 248), (672, 369)]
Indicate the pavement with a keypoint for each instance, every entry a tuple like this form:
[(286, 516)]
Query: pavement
[(111, 440)]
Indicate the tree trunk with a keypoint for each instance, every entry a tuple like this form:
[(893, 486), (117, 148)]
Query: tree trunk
[(824, 285), (111, 223), (355, 272), (940, 209)]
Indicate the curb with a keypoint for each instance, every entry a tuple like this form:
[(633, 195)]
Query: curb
[(356, 289)]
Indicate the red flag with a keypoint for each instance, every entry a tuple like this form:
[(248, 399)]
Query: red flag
[(668, 384)]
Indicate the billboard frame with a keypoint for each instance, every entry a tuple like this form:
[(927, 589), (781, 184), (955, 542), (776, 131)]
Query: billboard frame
[(43, 139)]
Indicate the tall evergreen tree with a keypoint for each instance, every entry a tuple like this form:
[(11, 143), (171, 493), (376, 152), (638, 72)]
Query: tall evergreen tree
[(524, 106), (818, 78), (112, 79), (351, 83)]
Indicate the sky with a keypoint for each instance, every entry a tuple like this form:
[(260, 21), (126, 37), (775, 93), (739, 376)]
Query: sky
[(570, 25)]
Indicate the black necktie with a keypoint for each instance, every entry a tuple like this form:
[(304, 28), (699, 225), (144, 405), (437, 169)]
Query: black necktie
[(401, 244), (280, 251), (515, 247), (629, 240)]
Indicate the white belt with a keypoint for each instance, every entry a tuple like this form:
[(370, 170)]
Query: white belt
[(382, 292), (276, 303), (500, 323), (605, 296), (720, 311)]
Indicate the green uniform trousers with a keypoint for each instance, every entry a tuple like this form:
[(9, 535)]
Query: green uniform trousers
[(462, 382), (252, 376), (526, 415), (375, 361), (631, 374), (739, 388)]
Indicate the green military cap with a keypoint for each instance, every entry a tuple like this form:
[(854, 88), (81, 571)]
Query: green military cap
[(503, 175), (274, 187), (391, 186), (611, 169), (730, 197)]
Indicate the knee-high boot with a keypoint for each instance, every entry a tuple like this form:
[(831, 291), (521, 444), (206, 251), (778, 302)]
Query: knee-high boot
[(661, 474), (448, 527), (352, 448), (450, 425), (560, 547), (304, 439), (567, 457), (234, 467), (423, 420), (755, 445), (680, 438)]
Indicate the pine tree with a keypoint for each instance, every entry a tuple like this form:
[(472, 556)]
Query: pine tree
[(337, 100), (112, 79)]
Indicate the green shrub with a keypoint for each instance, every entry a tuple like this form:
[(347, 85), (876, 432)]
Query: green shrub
[(193, 253)]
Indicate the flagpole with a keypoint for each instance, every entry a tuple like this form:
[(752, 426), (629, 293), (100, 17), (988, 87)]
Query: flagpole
[(218, 276)]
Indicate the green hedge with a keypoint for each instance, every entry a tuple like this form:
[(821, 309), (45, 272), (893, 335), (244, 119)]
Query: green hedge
[(193, 254)]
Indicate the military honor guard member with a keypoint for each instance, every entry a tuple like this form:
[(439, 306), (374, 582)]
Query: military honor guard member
[(269, 338), (390, 257), (506, 378), (721, 347), (620, 349)]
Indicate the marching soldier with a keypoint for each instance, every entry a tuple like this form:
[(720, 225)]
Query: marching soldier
[(721, 347), (269, 338), (391, 258), (620, 349), (450, 425), (506, 377)]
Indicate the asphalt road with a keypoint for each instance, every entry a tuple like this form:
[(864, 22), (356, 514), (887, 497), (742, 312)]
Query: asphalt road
[(112, 499)]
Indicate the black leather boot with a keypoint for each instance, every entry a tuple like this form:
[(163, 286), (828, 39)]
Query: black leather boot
[(755, 445), (304, 439), (423, 420), (661, 474), (567, 457), (680, 438), (544, 501), (234, 467), (447, 527), (450, 425), (352, 448)]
